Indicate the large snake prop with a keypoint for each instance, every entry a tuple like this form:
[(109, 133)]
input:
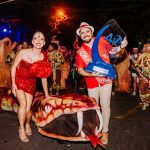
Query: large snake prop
[(68, 117)]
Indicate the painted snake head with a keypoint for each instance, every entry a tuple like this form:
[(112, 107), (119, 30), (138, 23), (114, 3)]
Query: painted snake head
[(68, 117)]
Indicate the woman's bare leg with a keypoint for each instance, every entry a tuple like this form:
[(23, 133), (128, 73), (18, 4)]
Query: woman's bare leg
[(21, 114), (29, 99)]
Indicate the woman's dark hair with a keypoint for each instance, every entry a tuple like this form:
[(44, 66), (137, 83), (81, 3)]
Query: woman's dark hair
[(54, 45), (38, 32)]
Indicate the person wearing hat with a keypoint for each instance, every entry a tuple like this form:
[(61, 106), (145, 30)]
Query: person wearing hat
[(97, 87)]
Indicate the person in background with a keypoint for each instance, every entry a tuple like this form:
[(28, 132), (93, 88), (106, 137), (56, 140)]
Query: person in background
[(25, 45), (54, 40), (132, 58), (65, 68), (18, 48), (28, 65), (11, 57), (142, 65), (56, 59), (98, 87)]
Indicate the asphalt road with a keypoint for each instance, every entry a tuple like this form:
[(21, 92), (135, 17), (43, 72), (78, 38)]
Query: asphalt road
[(129, 130)]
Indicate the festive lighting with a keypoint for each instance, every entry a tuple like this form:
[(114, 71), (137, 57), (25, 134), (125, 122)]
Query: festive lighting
[(60, 13), (59, 17), (5, 30)]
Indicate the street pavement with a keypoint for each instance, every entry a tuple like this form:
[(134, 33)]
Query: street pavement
[(129, 130)]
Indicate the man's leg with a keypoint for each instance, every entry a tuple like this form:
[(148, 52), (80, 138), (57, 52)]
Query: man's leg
[(105, 97), (94, 92)]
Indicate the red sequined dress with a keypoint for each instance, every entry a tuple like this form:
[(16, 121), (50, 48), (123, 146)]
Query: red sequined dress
[(26, 73)]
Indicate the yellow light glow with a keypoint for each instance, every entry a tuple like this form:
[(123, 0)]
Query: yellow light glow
[(60, 13)]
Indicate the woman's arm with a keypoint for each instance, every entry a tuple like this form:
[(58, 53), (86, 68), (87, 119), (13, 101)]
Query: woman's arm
[(45, 86), (13, 71)]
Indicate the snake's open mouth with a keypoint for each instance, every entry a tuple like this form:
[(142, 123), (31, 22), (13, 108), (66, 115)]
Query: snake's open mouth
[(68, 117)]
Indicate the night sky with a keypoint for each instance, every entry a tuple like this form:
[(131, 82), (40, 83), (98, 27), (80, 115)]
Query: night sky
[(133, 16)]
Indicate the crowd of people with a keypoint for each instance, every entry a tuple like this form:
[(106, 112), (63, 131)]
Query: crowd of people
[(28, 62), (140, 70)]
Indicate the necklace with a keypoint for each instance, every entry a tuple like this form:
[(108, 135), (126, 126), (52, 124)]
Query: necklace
[(33, 57)]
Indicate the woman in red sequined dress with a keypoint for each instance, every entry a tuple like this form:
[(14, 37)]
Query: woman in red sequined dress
[(29, 64)]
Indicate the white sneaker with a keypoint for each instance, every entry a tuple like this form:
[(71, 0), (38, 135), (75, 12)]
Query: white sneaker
[(144, 106), (134, 93)]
